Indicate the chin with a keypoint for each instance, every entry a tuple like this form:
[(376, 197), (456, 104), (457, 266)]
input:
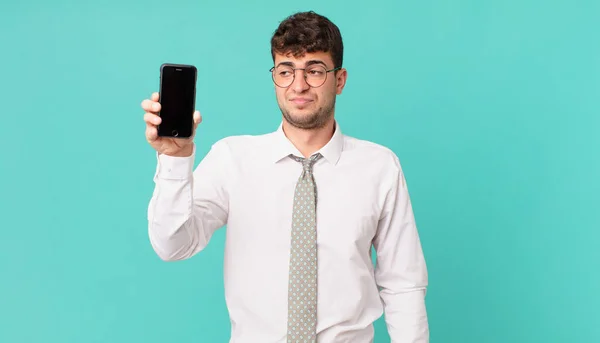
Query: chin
[(306, 120)]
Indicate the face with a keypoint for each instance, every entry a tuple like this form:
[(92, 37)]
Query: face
[(302, 105)]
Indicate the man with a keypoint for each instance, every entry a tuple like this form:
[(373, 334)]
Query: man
[(303, 206)]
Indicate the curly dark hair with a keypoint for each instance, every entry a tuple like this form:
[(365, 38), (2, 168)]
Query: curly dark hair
[(308, 32)]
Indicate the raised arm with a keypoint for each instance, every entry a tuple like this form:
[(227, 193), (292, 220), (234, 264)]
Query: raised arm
[(187, 206)]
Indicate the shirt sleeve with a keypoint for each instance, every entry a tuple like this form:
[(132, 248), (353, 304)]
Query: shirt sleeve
[(401, 271), (188, 206)]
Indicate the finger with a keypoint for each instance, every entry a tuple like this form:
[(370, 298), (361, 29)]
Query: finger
[(155, 96), (151, 133), (150, 106), (147, 105), (152, 119)]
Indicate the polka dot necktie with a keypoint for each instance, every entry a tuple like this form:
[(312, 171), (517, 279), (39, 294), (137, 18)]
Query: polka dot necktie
[(302, 287)]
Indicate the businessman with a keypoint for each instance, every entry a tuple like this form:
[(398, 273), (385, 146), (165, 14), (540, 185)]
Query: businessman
[(303, 206)]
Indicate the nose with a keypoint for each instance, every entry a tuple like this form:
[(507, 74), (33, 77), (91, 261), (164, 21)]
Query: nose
[(299, 85)]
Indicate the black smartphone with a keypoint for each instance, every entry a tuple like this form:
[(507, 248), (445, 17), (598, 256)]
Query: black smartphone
[(177, 99)]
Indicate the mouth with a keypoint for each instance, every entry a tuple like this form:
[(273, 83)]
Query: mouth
[(300, 101)]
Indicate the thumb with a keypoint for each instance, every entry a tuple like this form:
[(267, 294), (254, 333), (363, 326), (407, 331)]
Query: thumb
[(197, 118)]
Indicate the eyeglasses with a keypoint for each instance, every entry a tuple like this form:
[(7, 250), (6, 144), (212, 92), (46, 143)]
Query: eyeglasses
[(315, 75)]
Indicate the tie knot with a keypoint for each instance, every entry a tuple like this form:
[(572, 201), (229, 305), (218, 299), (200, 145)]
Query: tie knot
[(307, 163)]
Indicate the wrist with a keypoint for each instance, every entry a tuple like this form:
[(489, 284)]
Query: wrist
[(175, 165), (186, 151)]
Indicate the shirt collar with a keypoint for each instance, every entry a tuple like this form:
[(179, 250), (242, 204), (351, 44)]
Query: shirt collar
[(283, 147)]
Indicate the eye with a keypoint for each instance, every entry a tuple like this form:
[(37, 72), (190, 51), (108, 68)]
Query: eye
[(315, 72), (285, 72)]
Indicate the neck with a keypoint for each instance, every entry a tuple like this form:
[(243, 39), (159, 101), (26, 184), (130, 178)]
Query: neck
[(309, 141)]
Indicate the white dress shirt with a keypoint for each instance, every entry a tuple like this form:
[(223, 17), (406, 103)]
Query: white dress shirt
[(246, 183)]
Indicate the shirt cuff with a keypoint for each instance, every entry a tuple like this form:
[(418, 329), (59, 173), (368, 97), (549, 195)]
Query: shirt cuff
[(175, 168)]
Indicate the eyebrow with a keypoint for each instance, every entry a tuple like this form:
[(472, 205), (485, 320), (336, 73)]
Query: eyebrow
[(308, 63)]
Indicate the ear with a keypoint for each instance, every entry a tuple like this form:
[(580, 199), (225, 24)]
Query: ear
[(341, 77)]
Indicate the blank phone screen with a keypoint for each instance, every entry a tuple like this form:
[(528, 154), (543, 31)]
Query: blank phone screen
[(177, 101)]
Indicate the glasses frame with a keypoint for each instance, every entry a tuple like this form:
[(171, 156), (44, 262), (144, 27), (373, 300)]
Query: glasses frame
[(303, 73)]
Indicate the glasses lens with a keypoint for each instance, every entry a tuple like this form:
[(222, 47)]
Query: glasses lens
[(283, 76), (316, 75)]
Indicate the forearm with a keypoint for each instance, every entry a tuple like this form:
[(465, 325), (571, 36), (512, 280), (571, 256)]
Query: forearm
[(172, 230), (185, 208)]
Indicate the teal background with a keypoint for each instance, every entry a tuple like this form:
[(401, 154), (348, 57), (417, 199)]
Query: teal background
[(492, 107)]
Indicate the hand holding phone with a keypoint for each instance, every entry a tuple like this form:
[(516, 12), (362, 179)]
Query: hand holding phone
[(171, 121)]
